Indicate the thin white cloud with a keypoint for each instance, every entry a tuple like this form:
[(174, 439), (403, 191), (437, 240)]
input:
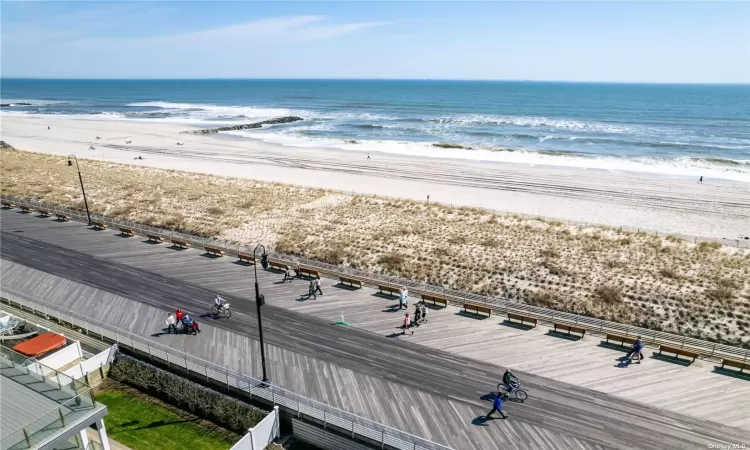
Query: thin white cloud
[(268, 31)]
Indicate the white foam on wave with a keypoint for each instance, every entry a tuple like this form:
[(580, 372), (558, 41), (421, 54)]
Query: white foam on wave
[(682, 166), (33, 102), (538, 122)]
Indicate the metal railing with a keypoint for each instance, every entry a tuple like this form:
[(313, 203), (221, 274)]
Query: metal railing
[(301, 406), (74, 398), (544, 315)]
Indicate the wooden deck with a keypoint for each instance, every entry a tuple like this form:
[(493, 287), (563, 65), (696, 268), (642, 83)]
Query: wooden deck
[(415, 388)]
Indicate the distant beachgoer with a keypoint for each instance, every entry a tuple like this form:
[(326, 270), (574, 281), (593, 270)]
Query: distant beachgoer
[(700, 181), (428, 198), (48, 127), (138, 157), (407, 324), (98, 137), (368, 156)]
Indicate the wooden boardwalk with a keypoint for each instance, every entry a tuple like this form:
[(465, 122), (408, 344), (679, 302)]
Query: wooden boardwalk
[(417, 397)]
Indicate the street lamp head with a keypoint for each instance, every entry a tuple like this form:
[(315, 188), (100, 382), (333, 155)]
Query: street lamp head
[(70, 163), (264, 260)]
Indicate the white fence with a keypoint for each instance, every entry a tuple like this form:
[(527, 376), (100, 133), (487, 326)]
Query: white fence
[(66, 355), (498, 305), (262, 434), (291, 403), (92, 364)]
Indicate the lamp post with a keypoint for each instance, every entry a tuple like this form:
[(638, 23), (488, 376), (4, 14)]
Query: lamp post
[(85, 202), (260, 300)]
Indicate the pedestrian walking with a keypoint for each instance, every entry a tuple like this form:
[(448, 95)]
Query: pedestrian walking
[(311, 290), (423, 309), (417, 315), (288, 275), (637, 350), (700, 180), (401, 300), (497, 406), (407, 324), (318, 283), (368, 156), (171, 321)]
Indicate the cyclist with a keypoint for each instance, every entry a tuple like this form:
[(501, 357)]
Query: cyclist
[(509, 380)]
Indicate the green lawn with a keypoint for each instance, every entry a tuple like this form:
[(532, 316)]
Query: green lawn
[(144, 426)]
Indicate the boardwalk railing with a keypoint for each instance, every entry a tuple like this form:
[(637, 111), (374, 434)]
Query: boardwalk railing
[(302, 407), (499, 305)]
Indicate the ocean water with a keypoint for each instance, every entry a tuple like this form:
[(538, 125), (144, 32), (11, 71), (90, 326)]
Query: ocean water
[(677, 130)]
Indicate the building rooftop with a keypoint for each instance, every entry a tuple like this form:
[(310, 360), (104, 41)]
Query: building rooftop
[(41, 405)]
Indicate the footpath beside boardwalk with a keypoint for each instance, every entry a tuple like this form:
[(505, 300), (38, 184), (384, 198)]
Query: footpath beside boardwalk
[(446, 422)]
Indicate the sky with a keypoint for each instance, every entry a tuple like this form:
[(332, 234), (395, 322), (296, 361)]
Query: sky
[(662, 42)]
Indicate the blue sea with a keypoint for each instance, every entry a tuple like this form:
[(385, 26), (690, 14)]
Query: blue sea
[(676, 130)]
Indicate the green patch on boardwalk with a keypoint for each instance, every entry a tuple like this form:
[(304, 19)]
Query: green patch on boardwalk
[(141, 425)]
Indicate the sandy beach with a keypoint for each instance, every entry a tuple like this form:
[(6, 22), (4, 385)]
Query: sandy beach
[(715, 209)]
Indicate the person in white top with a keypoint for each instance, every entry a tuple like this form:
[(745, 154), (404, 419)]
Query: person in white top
[(424, 312), (171, 321)]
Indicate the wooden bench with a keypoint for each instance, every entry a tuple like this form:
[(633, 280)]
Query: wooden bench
[(477, 309), (214, 251), (390, 290), (154, 238), (309, 272), (351, 281), (621, 339), (522, 319), (43, 212), (569, 329), (61, 217), (278, 266), (678, 352), (7, 205), (99, 225), (247, 257), (25, 209), (435, 299), (127, 231), (742, 365), (180, 244)]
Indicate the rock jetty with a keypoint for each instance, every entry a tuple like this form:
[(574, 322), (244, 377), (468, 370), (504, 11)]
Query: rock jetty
[(14, 104), (3, 144), (286, 119)]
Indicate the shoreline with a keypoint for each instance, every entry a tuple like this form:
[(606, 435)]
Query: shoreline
[(659, 203)]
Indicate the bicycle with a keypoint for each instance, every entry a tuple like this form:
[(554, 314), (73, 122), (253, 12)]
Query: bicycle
[(515, 390), (223, 310)]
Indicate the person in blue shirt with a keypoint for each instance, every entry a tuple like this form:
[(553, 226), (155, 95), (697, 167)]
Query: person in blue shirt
[(497, 406), (637, 349)]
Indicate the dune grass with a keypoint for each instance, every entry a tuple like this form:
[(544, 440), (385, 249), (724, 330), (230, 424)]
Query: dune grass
[(663, 283)]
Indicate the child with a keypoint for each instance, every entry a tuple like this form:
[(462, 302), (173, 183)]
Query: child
[(407, 324)]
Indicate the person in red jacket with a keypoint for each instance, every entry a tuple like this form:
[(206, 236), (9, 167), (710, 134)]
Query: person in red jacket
[(179, 314)]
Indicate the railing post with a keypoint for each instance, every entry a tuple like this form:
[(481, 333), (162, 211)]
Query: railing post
[(26, 437), (325, 418), (683, 342), (713, 349), (298, 412), (352, 429), (627, 330), (205, 369), (150, 356), (382, 439), (187, 371)]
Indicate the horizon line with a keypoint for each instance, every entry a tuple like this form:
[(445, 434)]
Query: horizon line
[(498, 80)]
